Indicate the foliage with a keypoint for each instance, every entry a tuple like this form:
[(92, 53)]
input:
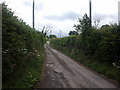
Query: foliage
[(99, 45), (32, 75), (21, 44), (84, 25), (52, 36), (73, 33), (46, 31)]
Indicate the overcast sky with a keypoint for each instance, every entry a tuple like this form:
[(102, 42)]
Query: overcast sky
[(63, 14)]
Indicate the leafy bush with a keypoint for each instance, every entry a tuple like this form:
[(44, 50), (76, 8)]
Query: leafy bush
[(101, 45), (21, 44)]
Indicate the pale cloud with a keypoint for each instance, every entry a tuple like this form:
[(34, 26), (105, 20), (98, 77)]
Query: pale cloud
[(62, 14), (65, 16), (21, 9), (27, 3), (104, 16), (39, 6), (105, 19)]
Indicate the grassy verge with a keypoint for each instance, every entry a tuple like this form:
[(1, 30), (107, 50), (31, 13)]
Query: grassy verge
[(103, 68), (22, 51), (31, 73)]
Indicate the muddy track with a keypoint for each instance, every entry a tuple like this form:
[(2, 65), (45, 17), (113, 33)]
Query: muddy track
[(62, 72)]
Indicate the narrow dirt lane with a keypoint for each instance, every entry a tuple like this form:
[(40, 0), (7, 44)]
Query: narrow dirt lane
[(63, 72)]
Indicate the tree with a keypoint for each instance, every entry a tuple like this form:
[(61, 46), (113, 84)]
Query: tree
[(96, 23), (84, 25), (45, 31), (73, 33), (105, 26), (85, 28), (52, 36)]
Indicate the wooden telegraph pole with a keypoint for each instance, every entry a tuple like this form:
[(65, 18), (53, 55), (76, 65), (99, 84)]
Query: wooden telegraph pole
[(90, 12)]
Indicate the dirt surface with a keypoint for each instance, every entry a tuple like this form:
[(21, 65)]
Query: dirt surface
[(62, 72)]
